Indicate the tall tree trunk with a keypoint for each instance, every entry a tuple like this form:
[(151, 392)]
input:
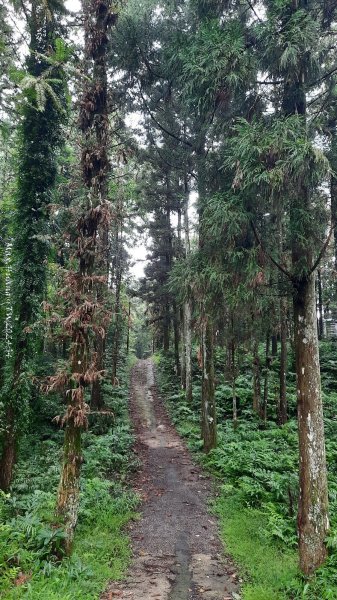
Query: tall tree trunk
[(283, 416), (166, 328), (176, 338), (128, 330), (233, 369), (208, 412), (117, 328), (274, 344), (333, 184), (266, 378), (320, 305), (183, 349), (187, 303), (94, 124), (256, 378), (313, 522), (39, 142), (188, 351)]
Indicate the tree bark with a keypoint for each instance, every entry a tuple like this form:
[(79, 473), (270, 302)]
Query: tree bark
[(128, 330), (256, 378), (39, 141), (283, 416), (117, 315), (176, 338), (266, 378), (8, 458), (313, 522), (84, 288), (69, 488), (233, 368), (208, 412), (187, 304), (274, 345), (320, 305), (188, 351)]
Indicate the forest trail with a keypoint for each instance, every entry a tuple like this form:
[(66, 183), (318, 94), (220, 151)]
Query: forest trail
[(177, 554)]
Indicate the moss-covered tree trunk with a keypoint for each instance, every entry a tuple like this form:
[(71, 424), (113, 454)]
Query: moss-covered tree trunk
[(39, 142), (69, 488), (88, 314)]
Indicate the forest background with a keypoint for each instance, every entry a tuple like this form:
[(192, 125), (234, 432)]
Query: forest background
[(114, 119)]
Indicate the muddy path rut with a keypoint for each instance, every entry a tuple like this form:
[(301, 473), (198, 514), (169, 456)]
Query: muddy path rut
[(177, 554)]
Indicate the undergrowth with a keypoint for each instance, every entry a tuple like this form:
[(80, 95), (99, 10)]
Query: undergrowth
[(31, 562), (257, 469)]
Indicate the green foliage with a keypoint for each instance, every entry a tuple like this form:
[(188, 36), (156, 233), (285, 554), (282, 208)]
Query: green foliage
[(271, 154), (268, 568), (32, 564), (212, 62), (256, 468)]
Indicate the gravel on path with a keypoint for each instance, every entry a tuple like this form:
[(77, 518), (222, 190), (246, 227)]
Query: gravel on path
[(177, 553)]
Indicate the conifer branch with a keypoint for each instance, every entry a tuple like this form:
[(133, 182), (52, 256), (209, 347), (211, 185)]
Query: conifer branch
[(323, 249), (253, 10), (277, 264), (161, 127)]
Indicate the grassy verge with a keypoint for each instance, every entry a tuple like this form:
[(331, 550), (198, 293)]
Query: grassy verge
[(267, 570), (31, 564)]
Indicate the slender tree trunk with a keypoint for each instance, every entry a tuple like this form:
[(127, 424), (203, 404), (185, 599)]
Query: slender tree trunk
[(320, 305), (69, 488), (187, 304), (188, 350), (166, 329), (233, 365), (283, 416), (183, 350), (333, 185), (128, 330), (256, 378), (266, 378), (274, 345), (176, 339), (117, 313), (208, 412)]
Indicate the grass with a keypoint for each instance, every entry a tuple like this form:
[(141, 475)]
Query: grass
[(101, 553), (268, 570), (30, 564)]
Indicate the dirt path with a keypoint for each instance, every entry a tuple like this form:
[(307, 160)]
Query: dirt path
[(176, 549)]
